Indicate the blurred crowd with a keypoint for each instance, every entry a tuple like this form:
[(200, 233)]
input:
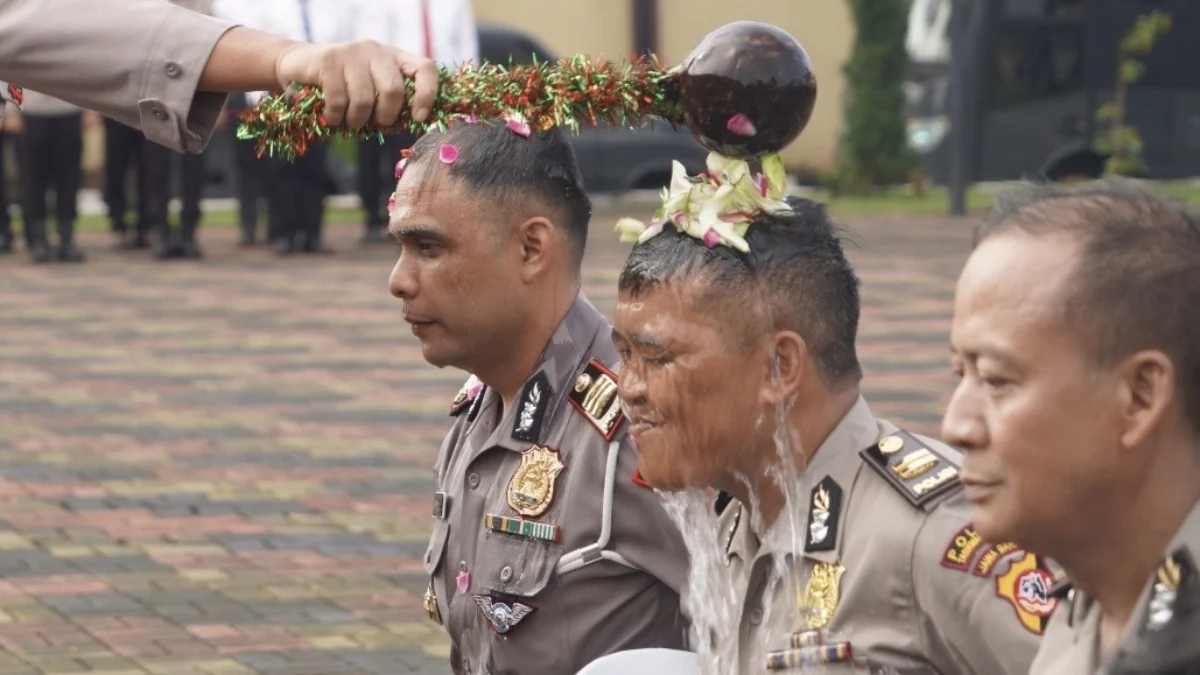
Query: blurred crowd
[(140, 178)]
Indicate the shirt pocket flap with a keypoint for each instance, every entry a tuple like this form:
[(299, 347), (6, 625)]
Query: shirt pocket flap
[(514, 565)]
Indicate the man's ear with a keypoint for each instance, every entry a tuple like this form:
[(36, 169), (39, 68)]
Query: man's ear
[(1147, 390), (536, 238), (787, 362)]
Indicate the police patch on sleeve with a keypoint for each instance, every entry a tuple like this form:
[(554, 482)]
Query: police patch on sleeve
[(919, 473), (595, 395), (961, 549), (1026, 586)]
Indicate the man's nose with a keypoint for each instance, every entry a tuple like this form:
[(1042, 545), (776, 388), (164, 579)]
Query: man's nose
[(403, 281), (963, 425)]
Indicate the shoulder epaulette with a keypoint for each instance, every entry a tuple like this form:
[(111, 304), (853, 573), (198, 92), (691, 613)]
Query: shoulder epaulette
[(595, 395), (918, 472), (470, 390)]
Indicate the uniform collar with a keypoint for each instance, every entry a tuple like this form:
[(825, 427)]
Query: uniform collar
[(541, 396), (836, 460)]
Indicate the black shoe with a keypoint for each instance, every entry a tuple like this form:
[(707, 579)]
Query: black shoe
[(69, 252), (316, 247), (190, 250), (285, 246), (39, 253)]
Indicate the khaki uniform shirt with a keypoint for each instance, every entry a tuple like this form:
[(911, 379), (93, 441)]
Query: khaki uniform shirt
[(891, 572), (136, 61), (1072, 642), (546, 554)]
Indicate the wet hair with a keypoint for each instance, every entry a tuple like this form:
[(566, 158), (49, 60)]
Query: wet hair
[(509, 169), (1136, 285), (1170, 650), (796, 271)]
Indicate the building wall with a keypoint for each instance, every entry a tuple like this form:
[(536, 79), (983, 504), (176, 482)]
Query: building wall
[(604, 27)]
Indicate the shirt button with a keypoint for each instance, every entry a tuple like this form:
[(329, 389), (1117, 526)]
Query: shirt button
[(473, 480), (756, 616), (506, 574), (173, 69)]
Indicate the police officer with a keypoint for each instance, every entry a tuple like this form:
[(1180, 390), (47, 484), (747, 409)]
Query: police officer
[(740, 374), (1074, 330), (545, 554)]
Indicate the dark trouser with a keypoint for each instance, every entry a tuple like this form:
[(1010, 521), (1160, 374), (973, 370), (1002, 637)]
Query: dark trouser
[(5, 219), (122, 150), (298, 194), (253, 177), (376, 168), (159, 162), (51, 150)]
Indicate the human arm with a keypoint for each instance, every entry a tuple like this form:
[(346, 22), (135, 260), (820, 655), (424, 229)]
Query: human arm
[(165, 69)]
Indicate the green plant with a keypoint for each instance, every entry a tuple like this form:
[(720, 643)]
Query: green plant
[(1120, 141), (874, 148)]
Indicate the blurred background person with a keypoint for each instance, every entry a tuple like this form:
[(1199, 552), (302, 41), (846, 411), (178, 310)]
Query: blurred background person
[(123, 156), (50, 147), (297, 188), (442, 30), (160, 163), (6, 231)]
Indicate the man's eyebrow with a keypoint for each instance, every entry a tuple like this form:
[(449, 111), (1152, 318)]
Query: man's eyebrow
[(639, 339), (414, 231)]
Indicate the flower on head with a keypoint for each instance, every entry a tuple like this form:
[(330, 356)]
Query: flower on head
[(717, 206), (516, 123), (448, 153), (469, 118), (741, 125), (400, 167)]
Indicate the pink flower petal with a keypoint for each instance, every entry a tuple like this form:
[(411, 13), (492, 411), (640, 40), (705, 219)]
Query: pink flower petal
[(400, 168), (741, 125), (761, 181), (471, 118), (518, 127), (475, 389), (392, 202), (681, 219), (711, 238), (448, 153)]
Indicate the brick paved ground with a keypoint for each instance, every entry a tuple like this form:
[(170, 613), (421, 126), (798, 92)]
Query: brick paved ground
[(223, 467)]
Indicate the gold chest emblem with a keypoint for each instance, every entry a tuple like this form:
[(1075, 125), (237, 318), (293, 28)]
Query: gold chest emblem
[(820, 597), (532, 486)]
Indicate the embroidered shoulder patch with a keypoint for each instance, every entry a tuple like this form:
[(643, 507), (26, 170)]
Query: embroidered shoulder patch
[(471, 389), (1026, 586), (595, 395), (961, 549), (993, 554), (919, 473)]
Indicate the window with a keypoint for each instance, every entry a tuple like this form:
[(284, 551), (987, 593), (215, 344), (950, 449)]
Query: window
[(1033, 62)]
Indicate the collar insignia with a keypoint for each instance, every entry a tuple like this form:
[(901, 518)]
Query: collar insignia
[(825, 506), (1173, 573), (472, 389), (595, 395), (502, 616), (531, 408)]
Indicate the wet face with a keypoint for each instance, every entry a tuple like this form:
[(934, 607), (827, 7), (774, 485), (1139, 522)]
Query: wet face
[(691, 390), (1039, 423), (459, 268)]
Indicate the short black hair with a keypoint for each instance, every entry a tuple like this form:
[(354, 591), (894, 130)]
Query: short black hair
[(1136, 285), (509, 168), (796, 270)]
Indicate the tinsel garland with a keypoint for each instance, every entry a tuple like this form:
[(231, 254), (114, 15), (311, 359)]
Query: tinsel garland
[(543, 95)]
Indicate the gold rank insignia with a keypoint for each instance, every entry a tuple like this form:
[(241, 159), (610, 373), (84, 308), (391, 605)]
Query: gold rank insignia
[(918, 472), (821, 594), (532, 486), (1026, 585), (595, 395), (431, 605)]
